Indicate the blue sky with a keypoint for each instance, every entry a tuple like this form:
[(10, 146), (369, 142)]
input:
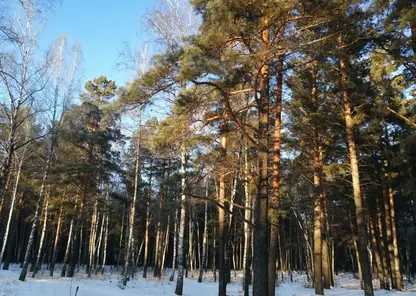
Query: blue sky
[(100, 27)]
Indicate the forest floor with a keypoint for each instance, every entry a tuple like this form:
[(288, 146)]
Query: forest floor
[(108, 285)]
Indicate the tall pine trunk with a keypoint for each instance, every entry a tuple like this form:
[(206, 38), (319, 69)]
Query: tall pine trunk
[(260, 234), (318, 195), (359, 209), (274, 202)]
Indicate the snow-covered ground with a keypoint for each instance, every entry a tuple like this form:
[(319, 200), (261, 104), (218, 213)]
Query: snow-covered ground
[(108, 285)]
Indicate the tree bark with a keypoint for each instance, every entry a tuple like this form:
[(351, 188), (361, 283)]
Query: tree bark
[(146, 232), (103, 261), (181, 235), (42, 238), (222, 281), (359, 209), (93, 236), (68, 244), (318, 194), (175, 247), (260, 234), (203, 266), (13, 201), (127, 272), (247, 228), (395, 264), (56, 242), (274, 201)]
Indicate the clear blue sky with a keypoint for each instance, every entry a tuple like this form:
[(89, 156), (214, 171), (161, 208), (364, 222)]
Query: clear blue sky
[(100, 27)]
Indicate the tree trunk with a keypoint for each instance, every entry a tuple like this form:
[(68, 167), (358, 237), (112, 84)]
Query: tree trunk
[(205, 237), (7, 159), (247, 228), (127, 272), (326, 266), (93, 235), (181, 235), (146, 233), (214, 253), (76, 243), (165, 246), (379, 263), (9, 218), (157, 271), (99, 243), (56, 242), (318, 196), (103, 261), (395, 264), (120, 245), (274, 202), (381, 236), (68, 243), (359, 209), (175, 247), (42, 238), (260, 234), (222, 283)]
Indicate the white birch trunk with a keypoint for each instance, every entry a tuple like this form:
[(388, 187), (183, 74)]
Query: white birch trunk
[(9, 218), (205, 237), (181, 251), (175, 247), (42, 238)]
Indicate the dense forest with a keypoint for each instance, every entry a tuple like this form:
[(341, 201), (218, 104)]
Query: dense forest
[(287, 145)]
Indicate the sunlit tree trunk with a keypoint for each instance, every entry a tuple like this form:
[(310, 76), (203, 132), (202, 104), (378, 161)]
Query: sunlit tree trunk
[(274, 202), (146, 232), (247, 227), (93, 236), (42, 238), (391, 214), (359, 209), (318, 194), (56, 242), (104, 258)]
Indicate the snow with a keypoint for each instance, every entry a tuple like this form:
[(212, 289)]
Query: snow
[(108, 285)]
